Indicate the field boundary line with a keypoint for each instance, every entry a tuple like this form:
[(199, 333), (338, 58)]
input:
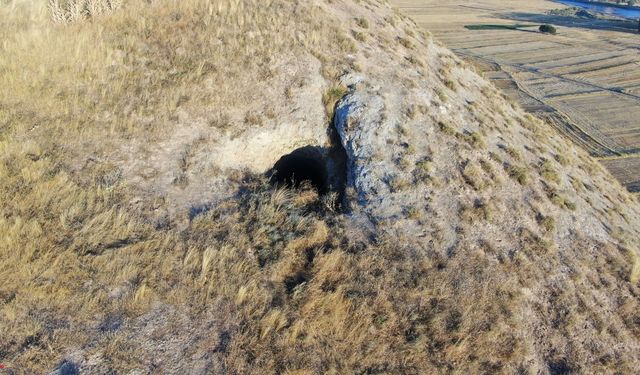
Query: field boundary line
[(588, 138)]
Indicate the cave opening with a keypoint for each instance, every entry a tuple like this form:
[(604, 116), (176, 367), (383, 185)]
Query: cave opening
[(321, 168), (304, 165)]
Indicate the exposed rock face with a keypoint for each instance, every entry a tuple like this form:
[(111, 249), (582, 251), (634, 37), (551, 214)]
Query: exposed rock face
[(438, 157), (360, 143), (299, 122), (213, 152)]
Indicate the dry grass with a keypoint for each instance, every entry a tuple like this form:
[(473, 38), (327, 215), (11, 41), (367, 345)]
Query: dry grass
[(66, 11), (331, 97), (292, 278), (518, 173), (549, 173), (362, 22), (474, 176), (270, 281), (148, 58), (67, 85)]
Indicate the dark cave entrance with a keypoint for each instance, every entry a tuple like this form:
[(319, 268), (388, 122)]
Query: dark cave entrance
[(323, 168), (304, 165)]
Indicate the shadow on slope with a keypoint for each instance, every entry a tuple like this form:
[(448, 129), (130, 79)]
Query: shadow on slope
[(574, 22)]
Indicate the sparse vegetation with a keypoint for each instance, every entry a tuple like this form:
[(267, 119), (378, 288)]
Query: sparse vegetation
[(414, 213), (416, 61), (331, 97), (479, 212), (476, 140), (65, 11), (360, 36), (547, 222), (634, 261), (447, 79), (518, 173), (406, 43), (562, 160), (442, 95), (514, 153), (446, 128), (495, 157), (253, 119), (577, 117), (425, 165), (549, 173), (399, 183), (451, 84), (362, 22), (423, 170), (473, 175), (560, 200)]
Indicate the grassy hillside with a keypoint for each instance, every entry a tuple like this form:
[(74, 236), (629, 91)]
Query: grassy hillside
[(108, 267)]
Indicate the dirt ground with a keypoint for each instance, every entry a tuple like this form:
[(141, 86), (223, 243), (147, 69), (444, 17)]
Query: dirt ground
[(585, 80)]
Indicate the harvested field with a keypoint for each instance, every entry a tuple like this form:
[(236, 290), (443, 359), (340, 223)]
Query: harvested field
[(585, 80), (626, 169)]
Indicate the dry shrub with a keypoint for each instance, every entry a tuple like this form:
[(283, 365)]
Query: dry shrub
[(66, 11), (474, 176)]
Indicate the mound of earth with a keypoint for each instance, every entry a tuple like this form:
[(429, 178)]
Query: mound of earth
[(438, 228)]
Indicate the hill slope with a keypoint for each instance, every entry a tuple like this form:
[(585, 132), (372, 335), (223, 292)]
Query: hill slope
[(137, 232)]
